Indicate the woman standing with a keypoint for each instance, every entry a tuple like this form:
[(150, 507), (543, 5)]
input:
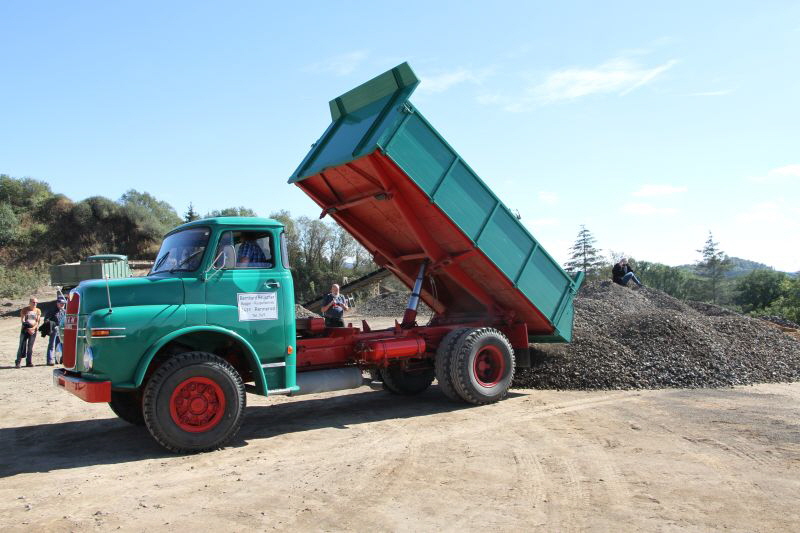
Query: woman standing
[(31, 317)]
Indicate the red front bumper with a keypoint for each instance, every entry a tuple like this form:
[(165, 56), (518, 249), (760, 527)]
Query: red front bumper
[(88, 391)]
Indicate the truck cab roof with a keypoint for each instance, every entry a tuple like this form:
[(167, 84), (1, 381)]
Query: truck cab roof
[(230, 222)]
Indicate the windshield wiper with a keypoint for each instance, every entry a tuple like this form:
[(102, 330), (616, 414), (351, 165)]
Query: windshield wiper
[(184, 260), (160, 262)]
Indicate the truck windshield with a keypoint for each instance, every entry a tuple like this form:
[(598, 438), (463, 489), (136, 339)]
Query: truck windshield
[(182, 251)]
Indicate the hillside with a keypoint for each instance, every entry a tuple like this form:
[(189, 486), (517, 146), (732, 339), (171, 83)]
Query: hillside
[(741, 267)]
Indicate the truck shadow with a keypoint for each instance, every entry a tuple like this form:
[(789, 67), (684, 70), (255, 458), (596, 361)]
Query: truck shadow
[(48, 447)]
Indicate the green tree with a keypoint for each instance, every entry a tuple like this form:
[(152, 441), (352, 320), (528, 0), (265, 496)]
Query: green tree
[(665, 278), (8, 223), (584, 257), (712, 267), (758, 289), (191, 215), (232, 212), (161, 210), (787, 304)]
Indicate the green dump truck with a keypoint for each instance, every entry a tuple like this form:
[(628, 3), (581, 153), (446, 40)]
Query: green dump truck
[(104, 266), (177, 350)]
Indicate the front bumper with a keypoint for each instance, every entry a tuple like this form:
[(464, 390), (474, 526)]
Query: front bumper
[(88, 391)]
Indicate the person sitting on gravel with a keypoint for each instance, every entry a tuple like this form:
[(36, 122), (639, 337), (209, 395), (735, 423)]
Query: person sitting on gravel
[(31, 316), (622, 273), (333, 307)]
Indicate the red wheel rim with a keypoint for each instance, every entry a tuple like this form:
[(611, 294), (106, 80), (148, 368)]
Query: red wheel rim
[(197, 404), (489, 366)]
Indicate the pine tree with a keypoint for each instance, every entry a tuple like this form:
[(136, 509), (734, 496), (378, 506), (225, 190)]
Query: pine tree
[(583, 254), (713, 266), (191, 214)]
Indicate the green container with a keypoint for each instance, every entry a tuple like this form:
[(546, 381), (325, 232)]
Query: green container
[(378, 116), (106, 266)]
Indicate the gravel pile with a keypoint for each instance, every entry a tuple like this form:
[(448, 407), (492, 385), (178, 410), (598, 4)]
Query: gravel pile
[(302, 312), (628, 338), (390, 304), (780, 321)]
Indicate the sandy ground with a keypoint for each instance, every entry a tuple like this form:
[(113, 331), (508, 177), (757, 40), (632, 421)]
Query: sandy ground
[(689, 460)]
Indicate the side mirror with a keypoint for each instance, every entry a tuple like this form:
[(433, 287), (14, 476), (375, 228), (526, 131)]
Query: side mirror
[(216, 264)]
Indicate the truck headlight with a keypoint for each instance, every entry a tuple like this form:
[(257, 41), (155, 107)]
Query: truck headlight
[(88, 359)]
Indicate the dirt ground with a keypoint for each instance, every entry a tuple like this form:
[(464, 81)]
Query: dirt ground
[(664, 460)]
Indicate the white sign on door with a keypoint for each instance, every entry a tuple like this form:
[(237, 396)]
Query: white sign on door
[(257, 305)]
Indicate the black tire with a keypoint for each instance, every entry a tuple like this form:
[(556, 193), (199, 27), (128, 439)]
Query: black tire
[(128, 406), (482, 366), (194, 402), (444, 356), (398, 381)]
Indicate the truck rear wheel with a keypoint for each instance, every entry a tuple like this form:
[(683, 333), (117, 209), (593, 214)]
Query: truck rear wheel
[(194, 402), (482, 366), (128, 406), (406, 383), (443, 362)]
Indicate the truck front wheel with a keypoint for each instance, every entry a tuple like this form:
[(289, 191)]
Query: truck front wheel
[(128, 406), (194, 402), (482, 366)]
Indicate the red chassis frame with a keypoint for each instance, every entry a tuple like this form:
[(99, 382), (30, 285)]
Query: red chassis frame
[(337, 347)]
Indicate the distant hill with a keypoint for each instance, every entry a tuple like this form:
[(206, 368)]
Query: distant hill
[(741, 267)]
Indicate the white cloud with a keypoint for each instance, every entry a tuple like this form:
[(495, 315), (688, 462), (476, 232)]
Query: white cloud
[(548, 197), (768, 213), (341, 65), (647, 209), (722, 92), (443, 81), (658, 190), (618, 75), (780, 174), (543, 222)]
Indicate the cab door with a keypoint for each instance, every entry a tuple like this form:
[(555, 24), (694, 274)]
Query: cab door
[(243, 291)]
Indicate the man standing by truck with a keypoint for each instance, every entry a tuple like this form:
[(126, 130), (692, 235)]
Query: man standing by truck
[(333, 307), (56, 317)]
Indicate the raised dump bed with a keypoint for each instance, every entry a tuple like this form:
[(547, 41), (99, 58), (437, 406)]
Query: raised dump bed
[(387, 176)]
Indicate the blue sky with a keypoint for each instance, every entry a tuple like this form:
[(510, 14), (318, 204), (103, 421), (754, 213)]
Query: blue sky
[(650, 125)]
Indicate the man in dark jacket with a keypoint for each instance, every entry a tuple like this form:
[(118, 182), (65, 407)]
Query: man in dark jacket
[(55, 318), (333, 307), (622, 273)]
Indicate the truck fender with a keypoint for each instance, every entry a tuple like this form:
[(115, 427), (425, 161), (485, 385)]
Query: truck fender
[(252, 357)]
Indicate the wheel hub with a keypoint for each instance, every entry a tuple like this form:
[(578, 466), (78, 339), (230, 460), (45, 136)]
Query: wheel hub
[(197, 404), (489, 366)]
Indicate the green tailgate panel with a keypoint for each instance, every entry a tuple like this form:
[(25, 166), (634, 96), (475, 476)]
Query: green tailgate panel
[(378, 116)]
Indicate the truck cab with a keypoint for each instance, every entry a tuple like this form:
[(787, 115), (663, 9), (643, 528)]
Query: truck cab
[(218, 286)]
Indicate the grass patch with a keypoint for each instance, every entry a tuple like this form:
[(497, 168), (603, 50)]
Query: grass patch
[(18, 282)]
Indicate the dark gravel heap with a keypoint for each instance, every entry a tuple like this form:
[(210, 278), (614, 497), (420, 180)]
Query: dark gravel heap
[(628, 338), (390, 304), (781, 321)]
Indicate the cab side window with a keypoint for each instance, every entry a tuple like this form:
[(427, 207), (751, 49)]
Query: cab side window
[(245, 249)]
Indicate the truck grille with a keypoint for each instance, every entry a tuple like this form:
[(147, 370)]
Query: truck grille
[(71, 331)]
